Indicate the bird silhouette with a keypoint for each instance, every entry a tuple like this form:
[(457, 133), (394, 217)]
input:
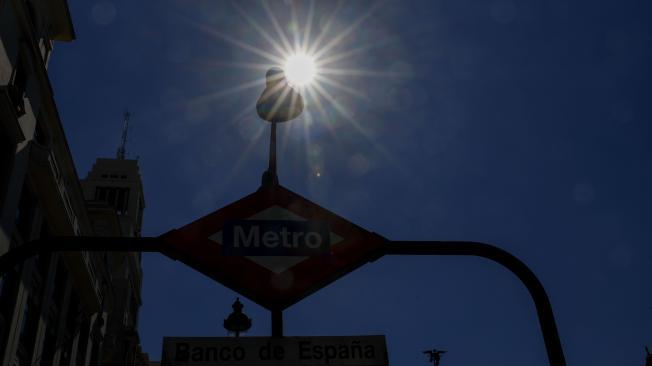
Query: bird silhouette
[(434, 356)]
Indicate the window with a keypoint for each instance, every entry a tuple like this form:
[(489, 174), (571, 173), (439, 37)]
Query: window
[(19, 80), (25, 213), (95, 352), (40, 132), (29, 325), (33, 17), (122, 203), (49, 345), (82, 345), (10, 282), (60, 280), (73, 317), (117, 197), (110, 196)]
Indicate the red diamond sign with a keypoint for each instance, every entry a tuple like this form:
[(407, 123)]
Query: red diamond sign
[(274, 246)]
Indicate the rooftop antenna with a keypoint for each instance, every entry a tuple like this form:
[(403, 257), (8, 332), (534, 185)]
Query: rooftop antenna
[(123, 141)]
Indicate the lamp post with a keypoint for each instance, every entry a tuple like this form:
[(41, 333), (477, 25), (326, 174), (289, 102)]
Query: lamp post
[(278, 103)]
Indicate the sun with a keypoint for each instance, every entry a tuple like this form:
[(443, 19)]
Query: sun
[(300, 69), (318, 58)]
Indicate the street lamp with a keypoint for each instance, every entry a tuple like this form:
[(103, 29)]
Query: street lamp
[(278, 103)]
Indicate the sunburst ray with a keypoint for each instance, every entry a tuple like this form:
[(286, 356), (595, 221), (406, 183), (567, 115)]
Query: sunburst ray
[(327, 60), (307, 29), (347, 115), (316, 100), (238, 65), (255, 141), (296, 34), (336, 84), (278, 103), (243, 45), (279, 48), (360, 72), (229, 91), (277, 27), (326, 29), (347, 31)]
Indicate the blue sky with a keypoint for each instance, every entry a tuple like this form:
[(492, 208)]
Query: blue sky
[(525, 124)]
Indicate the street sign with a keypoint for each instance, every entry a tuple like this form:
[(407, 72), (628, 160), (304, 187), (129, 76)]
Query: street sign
[(287, 351), (274, 246)]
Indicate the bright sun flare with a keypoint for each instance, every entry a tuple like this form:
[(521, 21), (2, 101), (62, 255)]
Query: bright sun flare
[(300, 69), (314, 60)]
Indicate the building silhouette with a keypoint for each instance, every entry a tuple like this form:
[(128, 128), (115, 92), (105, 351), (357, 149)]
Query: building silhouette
[(72, 308), (115, 204)]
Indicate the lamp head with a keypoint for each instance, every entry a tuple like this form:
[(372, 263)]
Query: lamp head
[(274, 75), (279, 102)]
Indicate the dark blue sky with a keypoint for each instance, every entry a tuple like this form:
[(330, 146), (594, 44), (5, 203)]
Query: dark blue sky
[(525, 124)]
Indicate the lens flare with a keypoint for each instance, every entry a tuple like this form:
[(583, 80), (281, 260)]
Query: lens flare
[(317, 61), (300, 69)]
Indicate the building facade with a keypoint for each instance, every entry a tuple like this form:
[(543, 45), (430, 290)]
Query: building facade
[(114, 200), (72, 308)]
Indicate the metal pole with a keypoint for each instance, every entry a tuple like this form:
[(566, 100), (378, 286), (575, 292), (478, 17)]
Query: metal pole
[(270, 178), (542, 303), (272, 155), (277, 323)]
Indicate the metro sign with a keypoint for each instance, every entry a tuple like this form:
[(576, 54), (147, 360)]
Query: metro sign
[(273, 237), (274, 246)]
